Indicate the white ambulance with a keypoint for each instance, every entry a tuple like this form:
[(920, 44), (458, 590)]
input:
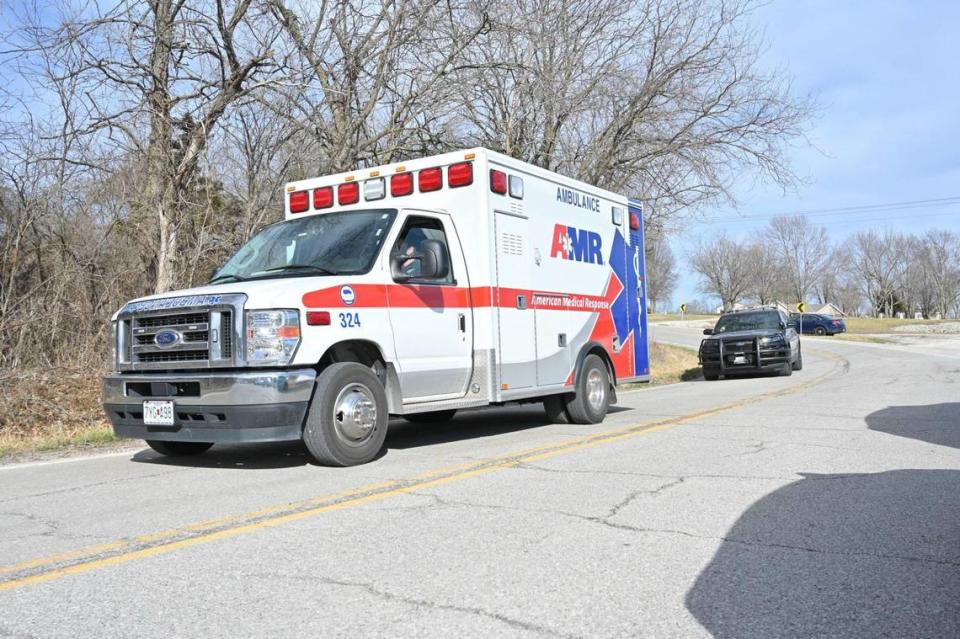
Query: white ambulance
[(415, 289)]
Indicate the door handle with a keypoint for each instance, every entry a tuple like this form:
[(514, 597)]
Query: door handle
[(462, 322)]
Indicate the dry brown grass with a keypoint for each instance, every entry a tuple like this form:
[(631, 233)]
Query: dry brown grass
[(876, 325), (671, 364), (51, 409)]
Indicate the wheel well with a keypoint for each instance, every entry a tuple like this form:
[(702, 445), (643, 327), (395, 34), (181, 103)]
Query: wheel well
[(593, 348), (359, 351)]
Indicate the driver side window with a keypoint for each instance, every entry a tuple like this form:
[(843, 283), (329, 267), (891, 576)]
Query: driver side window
[(415, 231)]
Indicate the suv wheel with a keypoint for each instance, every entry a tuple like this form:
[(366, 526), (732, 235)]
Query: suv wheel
[(591, 399), (798, 363), (347, 420)]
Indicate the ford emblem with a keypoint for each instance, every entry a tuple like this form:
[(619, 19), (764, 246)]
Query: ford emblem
[(166, 339)]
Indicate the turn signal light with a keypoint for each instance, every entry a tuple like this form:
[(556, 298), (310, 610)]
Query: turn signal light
[(401, 184), (299, 201), (348, 193), (318, 318), (498, 181), (430, 180), (460, 174), (323, 197)]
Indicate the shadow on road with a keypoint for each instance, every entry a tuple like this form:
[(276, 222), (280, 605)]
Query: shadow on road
[(842, 556), (932, 423), (473, 424)]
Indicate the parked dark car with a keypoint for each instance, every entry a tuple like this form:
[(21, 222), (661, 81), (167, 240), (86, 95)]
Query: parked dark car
[(815, 324), (751, 341)]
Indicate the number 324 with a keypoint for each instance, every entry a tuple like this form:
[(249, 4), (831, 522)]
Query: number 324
[(349, 320)]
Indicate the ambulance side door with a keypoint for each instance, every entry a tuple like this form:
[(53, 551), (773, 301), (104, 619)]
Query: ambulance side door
[(431, 319)]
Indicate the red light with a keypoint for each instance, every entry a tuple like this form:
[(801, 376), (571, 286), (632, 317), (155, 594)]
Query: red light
[(318, 318), (634, 222), (348, 193), (430, 180), (498, 181), (401, 184), (323, 197), (460, 174), (299, 201)]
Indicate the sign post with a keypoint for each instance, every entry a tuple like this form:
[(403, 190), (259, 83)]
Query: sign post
[(800, 307), (683, 309)]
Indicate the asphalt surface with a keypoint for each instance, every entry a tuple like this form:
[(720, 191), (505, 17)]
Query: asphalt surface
[(822, 504)]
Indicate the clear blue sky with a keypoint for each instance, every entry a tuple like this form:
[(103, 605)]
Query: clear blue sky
[(887, 77)]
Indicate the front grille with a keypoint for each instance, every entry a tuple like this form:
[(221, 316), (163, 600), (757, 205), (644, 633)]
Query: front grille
[(185, 356), (201, 339), (171, 321)]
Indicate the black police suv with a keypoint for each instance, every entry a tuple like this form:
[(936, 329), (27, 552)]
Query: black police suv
[(751, 341)]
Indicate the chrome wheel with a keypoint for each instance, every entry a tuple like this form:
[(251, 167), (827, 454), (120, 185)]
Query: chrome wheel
[(355, 414), (596, 389)]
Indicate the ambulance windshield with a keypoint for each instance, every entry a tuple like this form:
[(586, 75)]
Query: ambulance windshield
[(339, 243)]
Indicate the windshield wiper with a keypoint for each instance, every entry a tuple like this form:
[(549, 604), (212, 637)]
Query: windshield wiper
[(228, 277), (318, 270)]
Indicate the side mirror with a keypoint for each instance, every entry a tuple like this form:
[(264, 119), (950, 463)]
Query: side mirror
[(433, 261), (708, 331)]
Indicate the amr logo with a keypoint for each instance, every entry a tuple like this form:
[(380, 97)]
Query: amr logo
[(576, 244)]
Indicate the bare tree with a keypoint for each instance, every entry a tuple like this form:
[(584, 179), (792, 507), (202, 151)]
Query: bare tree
[(940, 261), (880, 262), (664, 98), (805, 250), (766, 271), (151, 81), (723, 270), (661, 269)]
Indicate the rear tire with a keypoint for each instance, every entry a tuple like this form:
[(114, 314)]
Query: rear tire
[(179, 449), (591, 399), (556, 408), (820, 331), (433, 417), (347, 420)]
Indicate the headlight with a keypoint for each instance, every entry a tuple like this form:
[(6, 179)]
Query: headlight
[(272, 337), (773, 340)]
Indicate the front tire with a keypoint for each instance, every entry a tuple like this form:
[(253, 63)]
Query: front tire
[(347, 420), (591, 399), (710, 375), (798, 364), (179, 449)]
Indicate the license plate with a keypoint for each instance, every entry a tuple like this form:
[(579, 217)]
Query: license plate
[(740, 359), (158, 413)]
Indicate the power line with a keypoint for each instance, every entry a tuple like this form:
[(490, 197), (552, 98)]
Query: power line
[(853, 210)]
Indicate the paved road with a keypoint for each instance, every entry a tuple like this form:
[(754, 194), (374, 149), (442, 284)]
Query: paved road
[(823, 504)]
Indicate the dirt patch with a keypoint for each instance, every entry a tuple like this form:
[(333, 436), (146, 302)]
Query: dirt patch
[(45, 410)]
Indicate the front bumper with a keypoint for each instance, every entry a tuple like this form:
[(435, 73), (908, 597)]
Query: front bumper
[(222, 407), (753, 360)]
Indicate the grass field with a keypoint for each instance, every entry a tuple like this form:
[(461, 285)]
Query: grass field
[(672, 364), (875, 325)]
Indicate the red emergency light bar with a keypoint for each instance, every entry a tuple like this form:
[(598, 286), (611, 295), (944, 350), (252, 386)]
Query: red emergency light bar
[(498, 181), (323, 197), (299, 201), (430, 179), (401, 184), (634, 222), (460, 174), (348, 193)]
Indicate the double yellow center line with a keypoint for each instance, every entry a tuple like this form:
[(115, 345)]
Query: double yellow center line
[(91, 558)]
